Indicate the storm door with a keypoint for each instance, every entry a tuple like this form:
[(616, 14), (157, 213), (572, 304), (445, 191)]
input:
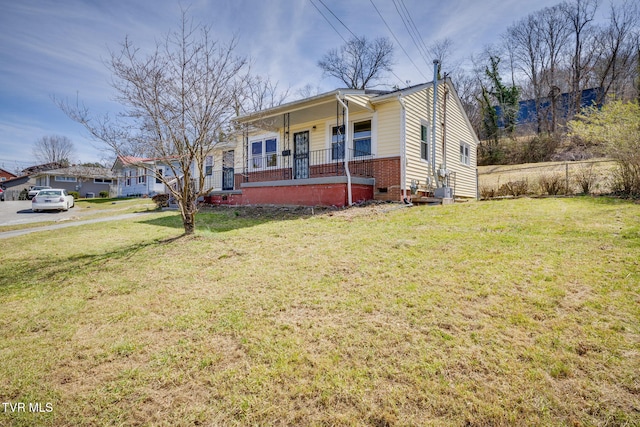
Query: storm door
[(301, 155), (227, 170)]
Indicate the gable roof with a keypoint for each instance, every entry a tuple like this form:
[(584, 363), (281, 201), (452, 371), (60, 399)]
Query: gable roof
[(6, 172), (38, 168), (79, 172), (125, 161)]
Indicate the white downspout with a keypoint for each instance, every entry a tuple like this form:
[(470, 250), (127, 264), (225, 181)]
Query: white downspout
[(403, 148), (346, 149), (434, 123)]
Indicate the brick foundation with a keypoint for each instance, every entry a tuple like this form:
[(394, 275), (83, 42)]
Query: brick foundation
[(387, 175), (286, 191)]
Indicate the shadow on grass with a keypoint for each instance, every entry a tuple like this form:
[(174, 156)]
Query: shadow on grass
[(101, 201), (222, 219), (48, 272)]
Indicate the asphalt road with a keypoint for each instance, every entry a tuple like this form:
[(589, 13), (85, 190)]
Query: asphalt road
[(13, 212), (19, 212)]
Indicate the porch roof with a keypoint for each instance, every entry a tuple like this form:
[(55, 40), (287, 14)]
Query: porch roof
[(310, 109)]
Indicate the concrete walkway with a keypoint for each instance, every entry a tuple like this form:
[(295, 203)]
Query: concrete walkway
[(14, 233)]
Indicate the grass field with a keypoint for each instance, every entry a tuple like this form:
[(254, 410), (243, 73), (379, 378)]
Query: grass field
[(513, 312), (598, 172)]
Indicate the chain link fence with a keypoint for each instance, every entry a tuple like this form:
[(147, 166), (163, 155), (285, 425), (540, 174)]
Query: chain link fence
[(557, 178)]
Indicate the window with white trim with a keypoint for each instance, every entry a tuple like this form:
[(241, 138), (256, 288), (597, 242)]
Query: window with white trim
[(208, 165), (337, 143), (66, 179), (159, 173), (141, 176), (264, 153), (464, 153), (362, 138), (424, 141), (102, 181)]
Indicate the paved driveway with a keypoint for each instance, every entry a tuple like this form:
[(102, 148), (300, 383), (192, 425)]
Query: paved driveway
[(14, 212)]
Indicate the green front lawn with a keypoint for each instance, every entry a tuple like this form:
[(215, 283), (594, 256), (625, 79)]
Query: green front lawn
[(520, 312)]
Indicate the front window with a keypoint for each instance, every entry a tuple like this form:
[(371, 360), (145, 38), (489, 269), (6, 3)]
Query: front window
[(208, 165), (66, 178), (141, 176), (362, 138), (159, 173), (337, 143), (264, 153), (464, 153), (102, 181)]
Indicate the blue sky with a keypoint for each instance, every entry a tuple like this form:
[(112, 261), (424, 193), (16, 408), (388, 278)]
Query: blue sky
[(57, 48)]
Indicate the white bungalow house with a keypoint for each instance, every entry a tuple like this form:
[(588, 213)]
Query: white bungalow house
[(348, 146), (140, 176)]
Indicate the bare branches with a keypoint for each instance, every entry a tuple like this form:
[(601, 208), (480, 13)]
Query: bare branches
[(359, 63), (177, 100), (53, 149)]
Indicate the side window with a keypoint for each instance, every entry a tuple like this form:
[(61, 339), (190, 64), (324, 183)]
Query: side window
[(424, 141), (464, 153)]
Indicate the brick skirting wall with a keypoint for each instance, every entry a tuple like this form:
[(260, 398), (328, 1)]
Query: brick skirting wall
[(386, 172)]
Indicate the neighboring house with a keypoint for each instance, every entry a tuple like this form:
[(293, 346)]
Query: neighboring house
[(31, 170), (139, 176), (86, 180), (13, 187), (5, 175), (349, 146)]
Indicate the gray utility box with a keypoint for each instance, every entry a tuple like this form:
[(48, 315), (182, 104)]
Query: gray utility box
[(444, 193)]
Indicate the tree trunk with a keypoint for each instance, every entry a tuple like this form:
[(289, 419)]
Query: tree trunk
[(189, 222)]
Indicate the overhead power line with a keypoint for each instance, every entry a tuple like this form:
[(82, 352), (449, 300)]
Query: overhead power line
[(397, 41), (327, 19), (410, 25), (339, 20), (344, 25)]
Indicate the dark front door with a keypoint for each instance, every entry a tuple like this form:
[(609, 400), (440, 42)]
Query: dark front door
[(301, 155), (227, 170)]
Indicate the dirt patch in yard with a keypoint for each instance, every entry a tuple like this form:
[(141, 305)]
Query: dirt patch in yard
[(278, 212)]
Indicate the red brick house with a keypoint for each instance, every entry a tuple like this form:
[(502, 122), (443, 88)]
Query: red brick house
[(5, 175)]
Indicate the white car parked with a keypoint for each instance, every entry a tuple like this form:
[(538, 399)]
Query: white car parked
[(52, 199)]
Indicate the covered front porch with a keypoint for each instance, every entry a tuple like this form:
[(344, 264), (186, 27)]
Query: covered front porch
[(317, 150)]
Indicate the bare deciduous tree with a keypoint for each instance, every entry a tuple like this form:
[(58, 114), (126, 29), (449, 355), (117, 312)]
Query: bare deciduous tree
[(256, 93), (53, 149), (616, 46), (525, 46), (178, 99), (554, 33), (580, 14), (359, 63)]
